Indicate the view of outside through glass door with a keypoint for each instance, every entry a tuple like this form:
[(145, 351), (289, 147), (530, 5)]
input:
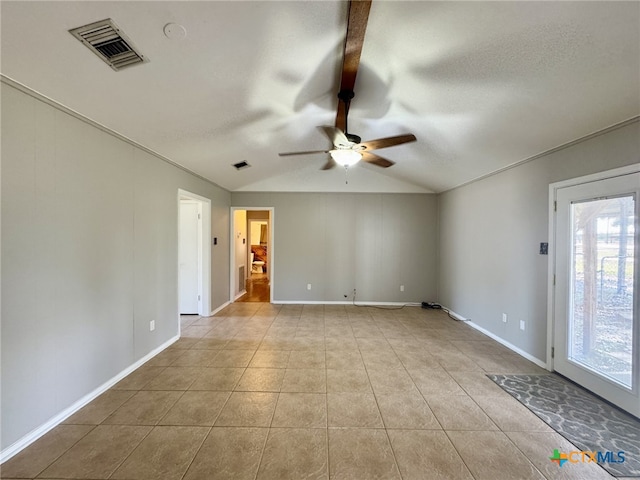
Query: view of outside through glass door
[(602, 274)]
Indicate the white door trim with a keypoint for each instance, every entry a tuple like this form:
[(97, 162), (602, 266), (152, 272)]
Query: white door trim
[(204, 254), (232, 274), (551, 271)]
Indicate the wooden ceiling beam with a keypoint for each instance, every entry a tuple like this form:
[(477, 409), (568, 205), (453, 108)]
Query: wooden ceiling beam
[(356, 29)]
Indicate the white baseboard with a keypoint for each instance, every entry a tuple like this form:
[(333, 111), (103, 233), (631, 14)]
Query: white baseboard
[(358, 303), (225, 304), (53, 422), (240, 294), (457, 316), (501, 341), (510, 346)]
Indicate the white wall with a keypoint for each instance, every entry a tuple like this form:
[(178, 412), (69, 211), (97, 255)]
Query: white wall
[(241, 247), (89, 257), (338, 242), (255, 231), (490, 231)]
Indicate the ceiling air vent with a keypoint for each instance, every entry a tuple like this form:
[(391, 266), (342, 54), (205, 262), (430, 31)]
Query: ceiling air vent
[(241, 165), (105, 39)]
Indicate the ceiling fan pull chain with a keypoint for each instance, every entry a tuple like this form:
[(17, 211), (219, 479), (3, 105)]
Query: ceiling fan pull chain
[(346, 176)]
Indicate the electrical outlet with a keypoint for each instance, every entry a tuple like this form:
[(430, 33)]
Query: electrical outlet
[(402, 288), (522, 325), (308, 286), (152, 325), (504, 317)]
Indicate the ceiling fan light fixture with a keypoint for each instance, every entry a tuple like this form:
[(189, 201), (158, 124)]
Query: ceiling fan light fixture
[(346, 158)]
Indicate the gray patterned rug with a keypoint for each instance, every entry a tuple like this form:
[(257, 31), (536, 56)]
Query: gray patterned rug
[(588, 422)]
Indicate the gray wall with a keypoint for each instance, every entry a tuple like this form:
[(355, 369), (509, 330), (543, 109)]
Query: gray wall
[(337, 242), (89, 257), (490, 231)]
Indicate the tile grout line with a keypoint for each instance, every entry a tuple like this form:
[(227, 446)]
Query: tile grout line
[(266, 438), (153, 427), (436, 417), (395, 460), (459, 455), (326, 403), (133, 449), (204, 439), (525, 455), (59, 456), (208, 433)]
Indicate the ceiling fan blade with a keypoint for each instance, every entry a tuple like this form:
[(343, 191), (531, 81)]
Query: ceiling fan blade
[(376, 160), (356, 28), (329, 165), (287, 154), (336, 135), (389, 141)]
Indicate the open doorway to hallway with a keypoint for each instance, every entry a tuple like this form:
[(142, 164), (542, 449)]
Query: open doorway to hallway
[(252, 254)]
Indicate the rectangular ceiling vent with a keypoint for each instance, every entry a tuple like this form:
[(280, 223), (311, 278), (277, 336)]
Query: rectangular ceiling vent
[(105, 39), (241, 165)]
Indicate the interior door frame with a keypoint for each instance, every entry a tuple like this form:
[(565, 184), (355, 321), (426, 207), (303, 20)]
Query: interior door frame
[(270, 267), (551, 271), (204, 251)]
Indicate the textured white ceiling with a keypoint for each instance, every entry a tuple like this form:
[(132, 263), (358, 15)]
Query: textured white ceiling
[(483, 85)]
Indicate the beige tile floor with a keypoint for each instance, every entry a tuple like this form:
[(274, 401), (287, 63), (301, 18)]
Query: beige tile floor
[(264, 391)]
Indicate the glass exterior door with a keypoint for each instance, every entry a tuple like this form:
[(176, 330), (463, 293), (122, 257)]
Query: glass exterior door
[(596, 304)]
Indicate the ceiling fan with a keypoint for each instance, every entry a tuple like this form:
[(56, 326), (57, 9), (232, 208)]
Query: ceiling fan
[(348, 149)]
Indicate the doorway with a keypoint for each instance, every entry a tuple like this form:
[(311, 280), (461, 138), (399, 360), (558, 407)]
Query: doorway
[(595, 307), (194, 254), (252, 254)]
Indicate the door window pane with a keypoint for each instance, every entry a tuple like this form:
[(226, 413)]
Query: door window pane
[(601, 307)]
